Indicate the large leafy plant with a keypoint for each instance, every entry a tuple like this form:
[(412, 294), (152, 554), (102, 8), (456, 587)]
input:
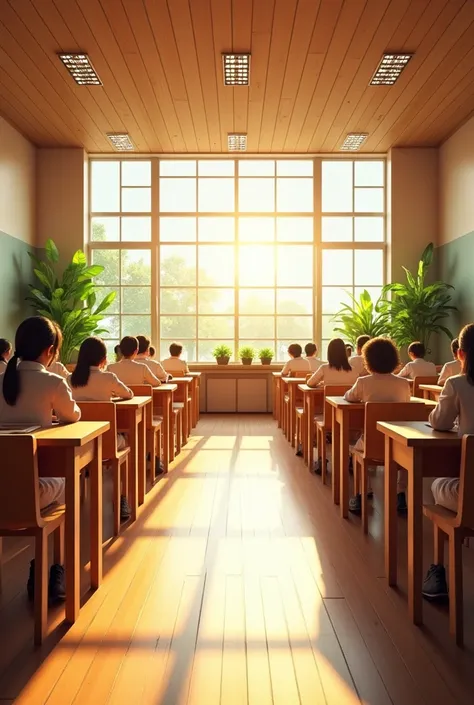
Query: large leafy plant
[(69, 299), (360, 317), (415, 310)]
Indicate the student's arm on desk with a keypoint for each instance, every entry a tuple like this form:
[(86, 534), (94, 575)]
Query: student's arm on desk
[(443, 416), (315, 379), (119, 389), (286, 370), (355, 393), (150, 378), (405, 372), (443, 376), (64, 405)]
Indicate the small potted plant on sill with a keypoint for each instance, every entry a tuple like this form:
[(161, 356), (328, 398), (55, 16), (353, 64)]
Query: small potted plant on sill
[(222, 353), (246, 354), (266, 356)]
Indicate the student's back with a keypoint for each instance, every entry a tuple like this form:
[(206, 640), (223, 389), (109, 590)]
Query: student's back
[(418, 367), (128, 370), (89, 382), (380, 387), (296, 366), (337, 370), (143, 356), (456, 401), (173, 364), (57, 368)]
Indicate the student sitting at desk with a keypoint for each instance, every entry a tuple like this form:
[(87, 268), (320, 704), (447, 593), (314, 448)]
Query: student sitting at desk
[(453, 368), (357, 360), (337, 370), (5, 354), (296, 366), (173, 364), (128, 370), (311, 350), (57, 367), (418, 367), (30, 394), (144, 357)]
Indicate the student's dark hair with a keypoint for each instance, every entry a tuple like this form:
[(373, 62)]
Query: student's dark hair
[(466, 344), (455, 347), (128, 346), (33, 337), (176, 349), (361, 341), (380, 355), (295, 349), (143, 344), (310, 349), (349, 348), (152, 351), (417, 349), (91, 353), (337, 356), (5, 347)]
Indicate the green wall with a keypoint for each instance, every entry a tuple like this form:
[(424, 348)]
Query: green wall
[(15, 275)]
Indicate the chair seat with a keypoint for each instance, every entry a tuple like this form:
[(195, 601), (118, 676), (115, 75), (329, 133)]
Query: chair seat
[(53, 513), (286, 398), (440, 515), (157, 422), (318, 420), (157, 418), (178, 405), (299, 411)]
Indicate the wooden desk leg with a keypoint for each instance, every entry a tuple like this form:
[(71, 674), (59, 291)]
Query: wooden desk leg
[(344, 464), (415, 537), (96, 515), (278, 403), (310, 433), (426, 394), (390, 514), (73, 538), (133, 465), (336, 449), (292, 412), (166, 432), (184, 424), (141, 431), (282, 407)]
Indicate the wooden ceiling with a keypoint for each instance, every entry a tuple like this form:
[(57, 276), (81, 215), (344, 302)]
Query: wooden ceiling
[(312, 60)]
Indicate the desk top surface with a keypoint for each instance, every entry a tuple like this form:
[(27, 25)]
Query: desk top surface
[(431, 387), (418, 433), (305, 388), (182, 380), (294, 380), (135, 403), (341, 403), (171, 387), (72, 434)]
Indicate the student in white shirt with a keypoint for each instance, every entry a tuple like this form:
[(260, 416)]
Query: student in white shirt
[(349, 351), (144, 357), (29, 395), (451, 369), (357, 361), (128, 370), (5, 354), (296, 366), (337, 369), (152, 351), (418, 367), (173, 364), (311, 350)]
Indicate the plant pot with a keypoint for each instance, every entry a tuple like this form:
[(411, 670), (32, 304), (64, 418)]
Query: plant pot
[(266, 360), (222, 360), (247, 360)]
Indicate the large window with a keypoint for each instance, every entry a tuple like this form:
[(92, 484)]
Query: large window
[(235, 251)]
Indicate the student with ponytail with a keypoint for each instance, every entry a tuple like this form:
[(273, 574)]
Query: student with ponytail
[(89, 381)]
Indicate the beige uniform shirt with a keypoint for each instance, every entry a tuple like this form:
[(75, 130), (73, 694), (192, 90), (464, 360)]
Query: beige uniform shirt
[(378, 387), (101, 386), (418, 368), (456, 401), (154, 366), (131, 372), (329, 375), (450, 369), (175, 366), (296, 367)]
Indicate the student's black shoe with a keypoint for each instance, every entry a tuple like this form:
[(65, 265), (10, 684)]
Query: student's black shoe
[(30, 585), (351, 467), (299, 450), (401, 504), (317, 467), (159, 467), (125, 511), (57, 583), (328, 438), (434, 584), (355, 504), (370, 494)]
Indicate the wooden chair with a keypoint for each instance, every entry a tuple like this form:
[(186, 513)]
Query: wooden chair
[(106, 411), (21, 516), (324, 425), (457, 527), (153, 429), (182, 397), (177, 432), (417, 392), (373, 452)]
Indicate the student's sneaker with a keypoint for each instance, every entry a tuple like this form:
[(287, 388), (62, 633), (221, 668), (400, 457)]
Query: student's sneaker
[(299, 450), (317, 467), (355, 504), (30, 585), (434, 584), (159, 467), (57, 583), (401, 504), (125, 511)]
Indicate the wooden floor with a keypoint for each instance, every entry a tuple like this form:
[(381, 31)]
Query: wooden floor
[(238, 584)]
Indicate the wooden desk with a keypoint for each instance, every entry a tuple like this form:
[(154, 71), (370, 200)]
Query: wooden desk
[(131, 419), (163, 403), (184, 385), (422, 452), (291, 383), (195, 391), (431, 391), (276, 376), (346, 416), (311, 395), (65, 451)]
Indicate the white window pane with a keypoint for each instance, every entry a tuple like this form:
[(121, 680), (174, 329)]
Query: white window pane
[(328, 325), (136, 173), (112, 325), (368, 267), (256, 195), (374, 291), (189, 349), (295, 301), (216, 195), (136, 266), (136, 299), (368, 173), (256, 265), (256, 301), (135, 325), (177, 265), (295, 229), (336, 229), (281, 352), (295, 167), (256, 326), (136, 229), (216, 301), (104, 291), (178, 195), (368, 200), (216, 229), (105, 229), (336, 187), (216, 265), (216, 167), (295, 265), (205, 348), (136, 200), (178, 327), (298, 327), (177, 301), (368, 229), (257, 344), (333, 298), (178, 229), (178, 167), (295, 195), (337, 267), (256, 167), (256, 229), (105, 186), (110, 261), (216, 327)]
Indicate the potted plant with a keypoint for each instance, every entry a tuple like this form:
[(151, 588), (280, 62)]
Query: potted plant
[(359, 318), (246, 354), (222, 353), (266, 356)]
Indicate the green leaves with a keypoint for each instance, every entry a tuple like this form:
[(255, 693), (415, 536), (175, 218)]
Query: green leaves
[(360, 318), (52, 252), (222, 351)]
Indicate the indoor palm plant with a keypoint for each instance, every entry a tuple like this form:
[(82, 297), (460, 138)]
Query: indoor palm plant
[(359, 318), (266, 356), (246, 354), (222, 353), (69, 299)]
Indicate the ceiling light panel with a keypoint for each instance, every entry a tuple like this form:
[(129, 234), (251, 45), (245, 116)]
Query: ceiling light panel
[(121, 141), (353, 141), (81, 69), (237, 142), (236, 69), (389, 69)]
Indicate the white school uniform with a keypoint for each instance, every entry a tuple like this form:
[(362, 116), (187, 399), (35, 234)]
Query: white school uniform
[(330, 375), (418, 368), (175, 366), (101, 386), (379, 387), (314, 363), (41, 392), (57, 368), (154, 366), (296, 367), (450, 369), (131, 372), (357, 364), (3, 367)]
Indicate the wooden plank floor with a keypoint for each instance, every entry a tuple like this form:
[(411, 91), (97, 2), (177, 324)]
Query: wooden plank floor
[(238, 584)]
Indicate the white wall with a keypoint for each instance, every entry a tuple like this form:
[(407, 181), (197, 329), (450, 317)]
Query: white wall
[(456, 184)]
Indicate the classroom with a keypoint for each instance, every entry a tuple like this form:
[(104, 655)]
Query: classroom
[(236, 352)]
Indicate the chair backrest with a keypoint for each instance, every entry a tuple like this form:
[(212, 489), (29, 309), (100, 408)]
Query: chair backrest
[(465, 515), (432, 379), (102, 411), (374, 441), (181, 394), (145, 390), (332, 390), (20, 484)]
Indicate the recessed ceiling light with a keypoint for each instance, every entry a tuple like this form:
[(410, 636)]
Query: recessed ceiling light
[(237, 142), (121, 141), (353, 141), (389, 69), (81, 69), (236, 69)]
